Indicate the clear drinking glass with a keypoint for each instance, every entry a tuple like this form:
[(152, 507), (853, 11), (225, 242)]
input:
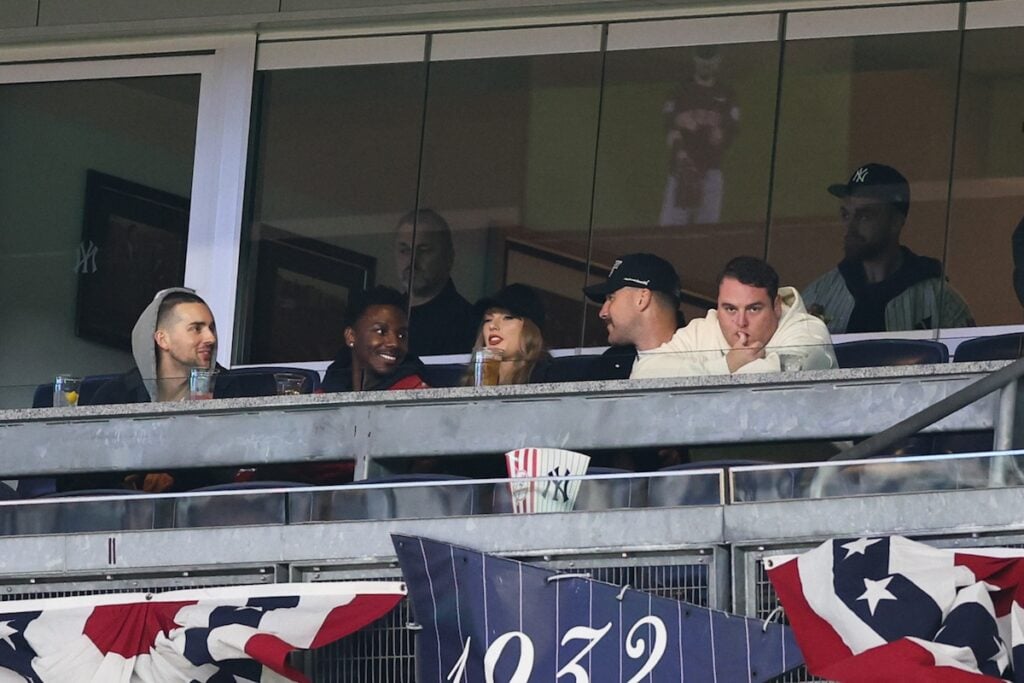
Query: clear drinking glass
[(486, 367), (65, 390), (289, 383), (200, 383)]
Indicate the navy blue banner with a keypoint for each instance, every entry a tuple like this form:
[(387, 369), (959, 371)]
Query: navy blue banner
[(496, 620)]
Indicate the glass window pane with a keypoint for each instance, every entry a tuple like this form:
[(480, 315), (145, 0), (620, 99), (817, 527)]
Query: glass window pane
[(94, 197), (987, 182), (684, 160), (334, 166), (508, 162), (845, 103)]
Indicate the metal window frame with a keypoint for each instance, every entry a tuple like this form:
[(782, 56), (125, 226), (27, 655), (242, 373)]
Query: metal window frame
[(750, 28), (872, 21), (225, 67)]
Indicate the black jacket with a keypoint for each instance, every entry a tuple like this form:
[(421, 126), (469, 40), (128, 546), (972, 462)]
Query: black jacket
[(339, 373), (445, 324), (129, 388)]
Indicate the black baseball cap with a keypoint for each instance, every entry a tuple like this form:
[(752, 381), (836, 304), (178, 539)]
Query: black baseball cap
[(878, 181), (646, 271), (518, 299)]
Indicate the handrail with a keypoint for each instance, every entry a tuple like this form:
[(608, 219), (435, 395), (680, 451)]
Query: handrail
[(1005, 377)]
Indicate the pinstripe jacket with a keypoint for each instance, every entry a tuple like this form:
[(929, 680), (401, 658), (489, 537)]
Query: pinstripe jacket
[(927, 304)]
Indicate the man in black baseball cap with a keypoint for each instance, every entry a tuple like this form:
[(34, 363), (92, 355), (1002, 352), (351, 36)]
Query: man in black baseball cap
[(881, 284), (639, 302)]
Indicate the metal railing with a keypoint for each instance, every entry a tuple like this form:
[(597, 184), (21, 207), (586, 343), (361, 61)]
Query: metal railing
[(711, 554)]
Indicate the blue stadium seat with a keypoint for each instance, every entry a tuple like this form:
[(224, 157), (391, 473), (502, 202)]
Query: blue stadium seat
[(43, 395), (694, 490), (238, 510), (615, 363), (67, 515), (998, 347), (7, 512), (444, 375), (871, 353), (33, 487), (584, 368), (358, 501), (252, 382)]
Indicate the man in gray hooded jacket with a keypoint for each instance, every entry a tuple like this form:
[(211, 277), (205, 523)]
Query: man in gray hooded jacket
[(176, 332)]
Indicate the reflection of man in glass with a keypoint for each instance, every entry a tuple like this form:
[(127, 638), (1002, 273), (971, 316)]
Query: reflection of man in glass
[(702, 118), (441, 320), (880, 284)]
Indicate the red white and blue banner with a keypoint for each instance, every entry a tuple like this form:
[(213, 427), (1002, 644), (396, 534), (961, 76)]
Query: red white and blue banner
[(891, 609), (239, 634), (489, 619)]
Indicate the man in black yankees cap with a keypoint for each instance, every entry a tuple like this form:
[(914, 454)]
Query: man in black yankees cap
[(639, 303), (881, 284)]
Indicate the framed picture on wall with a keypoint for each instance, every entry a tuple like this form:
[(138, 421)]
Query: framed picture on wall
[(302, 287), (133, 245)]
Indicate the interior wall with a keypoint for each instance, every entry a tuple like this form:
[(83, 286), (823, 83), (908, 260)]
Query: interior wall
[(113, 127)]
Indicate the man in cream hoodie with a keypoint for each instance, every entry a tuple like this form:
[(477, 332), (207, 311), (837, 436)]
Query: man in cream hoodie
[(757, 327)]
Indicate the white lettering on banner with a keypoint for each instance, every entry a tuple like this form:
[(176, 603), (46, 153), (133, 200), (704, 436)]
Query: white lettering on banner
[(636, 649), (525, 666), (459, 670), (592, 635), (635, 645)]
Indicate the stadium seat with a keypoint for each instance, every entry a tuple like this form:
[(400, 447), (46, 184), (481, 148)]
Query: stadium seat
[(7, 512), (443, 375), (871, 353), (583, 368), (693, 490), (33, 487), (358, 501), (611, 494), (43, 395), (998, 347), (74, 516), (615, 363), (937, 475), (237, 510), (252, 382)]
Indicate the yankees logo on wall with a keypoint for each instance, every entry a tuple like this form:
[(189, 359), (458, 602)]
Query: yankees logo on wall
[(495, 620)]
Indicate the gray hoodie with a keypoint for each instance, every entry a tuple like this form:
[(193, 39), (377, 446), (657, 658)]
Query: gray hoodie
[(143, 346)]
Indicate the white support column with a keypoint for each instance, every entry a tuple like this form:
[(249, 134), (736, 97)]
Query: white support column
[(218, 182)]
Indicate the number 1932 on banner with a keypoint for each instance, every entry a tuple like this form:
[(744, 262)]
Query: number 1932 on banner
[(489, 619)]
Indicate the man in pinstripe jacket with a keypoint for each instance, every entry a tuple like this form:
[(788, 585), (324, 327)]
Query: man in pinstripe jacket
[(880, 284)]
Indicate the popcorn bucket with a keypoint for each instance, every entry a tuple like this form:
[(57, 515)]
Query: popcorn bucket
[(554, 495)]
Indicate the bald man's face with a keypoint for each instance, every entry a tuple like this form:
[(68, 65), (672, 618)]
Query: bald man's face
[(425, 276)]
